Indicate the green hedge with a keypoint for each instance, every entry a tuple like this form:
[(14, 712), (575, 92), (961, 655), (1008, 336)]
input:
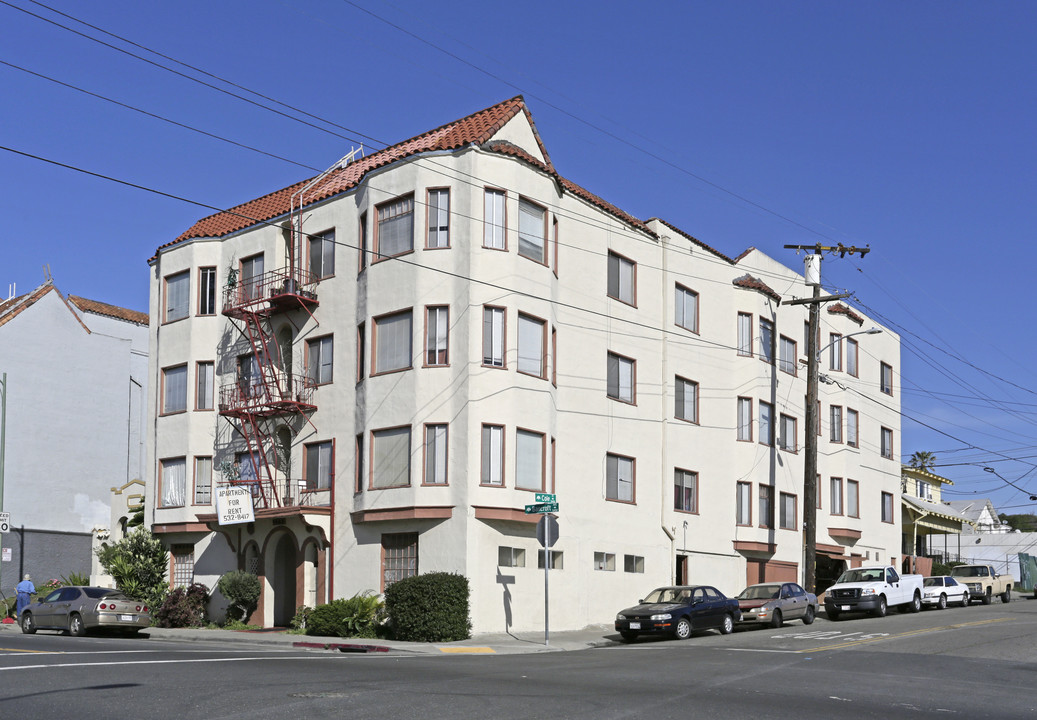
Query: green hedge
[(357, 616), (429, 608)]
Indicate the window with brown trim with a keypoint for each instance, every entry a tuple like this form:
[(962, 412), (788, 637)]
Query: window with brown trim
[(438, 219), (394, 228)]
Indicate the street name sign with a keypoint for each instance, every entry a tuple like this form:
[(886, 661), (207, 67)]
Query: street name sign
[(546, 498), (541, 508)]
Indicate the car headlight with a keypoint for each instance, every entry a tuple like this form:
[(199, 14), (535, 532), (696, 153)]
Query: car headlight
[(620, 616), (662, 616), (867, 591)]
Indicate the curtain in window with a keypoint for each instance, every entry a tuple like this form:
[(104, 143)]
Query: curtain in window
[(205, 386), (745, 334), (435, 454), (390, 461), (176, 389), (744, 509), (684, 490), (492, 455), (493, 226), (531, 231), (436, 330), (318, 466), (745, 428), (178, 293), (393, 336), (174, 482), (686, 392), (530, 346), (529, 460), (766, 423), (396, 227)]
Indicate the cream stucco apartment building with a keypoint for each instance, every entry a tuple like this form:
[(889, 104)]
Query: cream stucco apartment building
[(398, 355)]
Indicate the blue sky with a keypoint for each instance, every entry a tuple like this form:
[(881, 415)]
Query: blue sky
[(904, 126)]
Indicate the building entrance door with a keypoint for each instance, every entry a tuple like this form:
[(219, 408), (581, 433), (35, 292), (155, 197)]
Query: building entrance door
[(285, 565)]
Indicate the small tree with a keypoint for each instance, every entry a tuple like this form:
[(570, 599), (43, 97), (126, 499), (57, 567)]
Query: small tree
[(138, 564), (137, 518), (242, 591), (922, 460)]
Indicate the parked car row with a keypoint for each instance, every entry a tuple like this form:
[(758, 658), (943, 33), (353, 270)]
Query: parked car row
[(678, 610)]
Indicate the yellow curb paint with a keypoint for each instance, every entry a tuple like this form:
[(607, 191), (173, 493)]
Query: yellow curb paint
[(34, 652), (468, 650), (851, 643)]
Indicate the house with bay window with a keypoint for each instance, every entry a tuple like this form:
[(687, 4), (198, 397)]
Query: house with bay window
[(396, 356)]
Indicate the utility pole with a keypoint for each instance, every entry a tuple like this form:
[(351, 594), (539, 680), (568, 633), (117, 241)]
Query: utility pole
[(812, 274)]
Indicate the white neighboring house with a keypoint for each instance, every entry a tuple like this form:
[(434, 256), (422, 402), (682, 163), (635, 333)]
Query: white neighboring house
[(76, 406), (458, 327), (982, 514)]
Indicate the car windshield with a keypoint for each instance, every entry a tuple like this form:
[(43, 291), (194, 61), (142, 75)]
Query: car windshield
[(933, 582), (969, 571), (668, 595), (760, 592), (861, 575), (97, 593)]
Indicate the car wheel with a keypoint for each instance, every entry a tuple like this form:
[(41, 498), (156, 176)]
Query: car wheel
[(965, 600), (627, 635), (28, 624), (986, 599), (916, 603), (1006, 596), (832, 613), (683, 629), (808, 616), (776, 619), (880, 611), (941, 604), (75, 625), (729, 625)]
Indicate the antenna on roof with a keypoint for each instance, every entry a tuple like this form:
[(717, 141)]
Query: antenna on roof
[(11, 290), (46, 272)]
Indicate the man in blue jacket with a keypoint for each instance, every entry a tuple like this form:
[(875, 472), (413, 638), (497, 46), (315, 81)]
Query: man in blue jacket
[(24, 591)]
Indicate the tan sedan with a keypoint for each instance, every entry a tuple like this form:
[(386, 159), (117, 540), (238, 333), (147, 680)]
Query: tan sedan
[(75, 609), (774, 603)]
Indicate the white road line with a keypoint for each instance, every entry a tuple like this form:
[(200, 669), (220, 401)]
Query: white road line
[(163, 662), (756, 650)]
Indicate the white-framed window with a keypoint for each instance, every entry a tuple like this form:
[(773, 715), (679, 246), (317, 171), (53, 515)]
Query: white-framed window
[(532, 231), (390, 457), (605, 561), (766, 423), (399, 557), (887, 378), (436, 454), (851, 357), (174, 482), (835, 352), (767, 341), (619, 478), (493, 336), (685, 490), (622, 279), (320, 360), (529, 460), (492, 455), (207, 291), (438, 218), (835, 424), (437, 335), (202, 480), (182, 557), (787, 436), (178, 296), (686, 399), (924, 489), (319, 465), (394, 230), (745, 334), (392, 342), (322, 254), (510, 557), (204, 386), (174, 389), (744, 504), (836, 496), (853, 508), (886, 443), (787, 511), (494, 220), (532, 339), (887, 507), (556, 559), (621, 378), (787, 355), (745, 419), (686, 308), (766, 509), (851, 427)]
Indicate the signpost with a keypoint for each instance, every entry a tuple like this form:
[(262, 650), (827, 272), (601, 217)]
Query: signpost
[(545, 503)]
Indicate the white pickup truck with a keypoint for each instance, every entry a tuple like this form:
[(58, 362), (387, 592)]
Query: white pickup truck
[(873, 589)]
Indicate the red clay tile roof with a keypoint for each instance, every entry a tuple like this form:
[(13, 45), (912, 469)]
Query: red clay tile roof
[(696, 241), (12, 308), (475, 129), (840, 309), (112, 311), (750, 283)]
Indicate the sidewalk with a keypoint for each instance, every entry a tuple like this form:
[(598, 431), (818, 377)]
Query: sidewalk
[(487, 643)]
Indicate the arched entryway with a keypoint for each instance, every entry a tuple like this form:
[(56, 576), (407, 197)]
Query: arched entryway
[(284, 580)]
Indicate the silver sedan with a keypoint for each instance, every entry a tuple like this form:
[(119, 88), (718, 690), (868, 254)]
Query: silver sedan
[(76, 609), (774, 603)]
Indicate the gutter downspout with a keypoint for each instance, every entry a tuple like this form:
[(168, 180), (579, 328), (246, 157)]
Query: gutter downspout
[(670, 532)]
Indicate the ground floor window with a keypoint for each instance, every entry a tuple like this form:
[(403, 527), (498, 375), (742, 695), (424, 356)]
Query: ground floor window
[(182, 558), (399, 557)]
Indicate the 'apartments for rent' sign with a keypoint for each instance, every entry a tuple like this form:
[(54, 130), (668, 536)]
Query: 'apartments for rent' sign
[(234, 505)]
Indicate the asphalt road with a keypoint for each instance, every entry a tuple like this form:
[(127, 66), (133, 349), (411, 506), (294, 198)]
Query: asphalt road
[(977, 662)]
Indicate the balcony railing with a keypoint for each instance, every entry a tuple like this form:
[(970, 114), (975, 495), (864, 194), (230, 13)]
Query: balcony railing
[(282, 493), (275, 287), (267, 396)]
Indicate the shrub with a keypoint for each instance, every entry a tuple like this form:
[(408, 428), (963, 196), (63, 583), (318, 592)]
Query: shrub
[(302, 617), (357, 616), (74, 578), (183, 607), (138, 563), (242, 591), (429, 608)]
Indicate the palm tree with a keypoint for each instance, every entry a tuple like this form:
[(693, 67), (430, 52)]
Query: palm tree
[(922, 460)]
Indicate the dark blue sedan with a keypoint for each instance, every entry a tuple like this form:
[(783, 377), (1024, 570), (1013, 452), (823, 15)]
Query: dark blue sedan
[(679, 610)]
